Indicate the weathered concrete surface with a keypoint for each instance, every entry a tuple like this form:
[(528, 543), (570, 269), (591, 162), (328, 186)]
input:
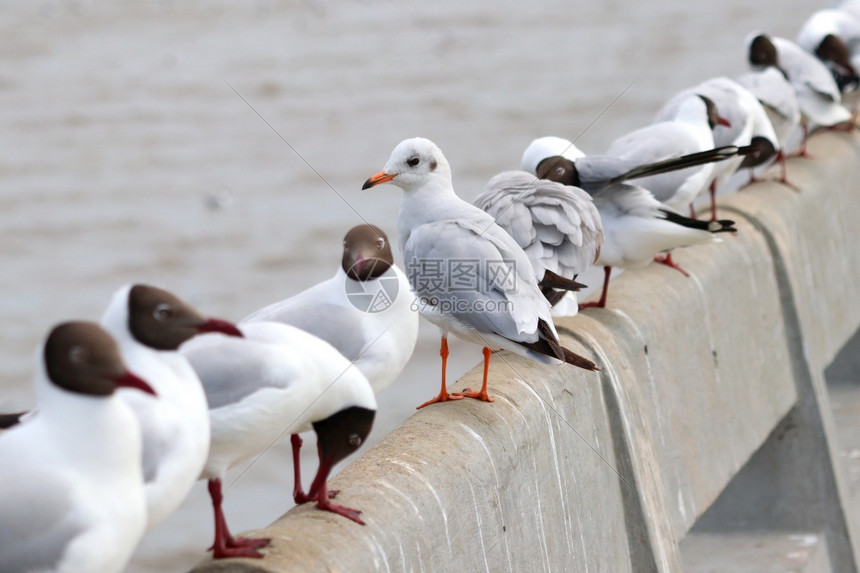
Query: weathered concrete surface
[(796, 481), (711, 395), (756, 553)]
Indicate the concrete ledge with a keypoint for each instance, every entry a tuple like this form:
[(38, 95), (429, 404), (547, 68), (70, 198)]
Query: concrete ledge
[(756, 553), (573, 471)]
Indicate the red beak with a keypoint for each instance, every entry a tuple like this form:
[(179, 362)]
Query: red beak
[(222, 326), (723, 121), (129, 380)]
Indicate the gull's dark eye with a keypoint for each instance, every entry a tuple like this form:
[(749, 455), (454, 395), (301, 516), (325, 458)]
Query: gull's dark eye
[(162, 311), (380, 243), (560, 171), (77, 355), (413, 161), (345, 245), (354, 440)]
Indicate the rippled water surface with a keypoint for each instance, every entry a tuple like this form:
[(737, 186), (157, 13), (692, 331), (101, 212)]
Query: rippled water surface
[(126, 154)]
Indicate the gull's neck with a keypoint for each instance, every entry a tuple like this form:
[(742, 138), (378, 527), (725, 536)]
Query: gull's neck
[(434, 200)]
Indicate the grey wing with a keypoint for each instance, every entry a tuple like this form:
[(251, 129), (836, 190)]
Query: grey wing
[(773, 91), (654, 142), (805, 69), (557, 226), (232, 368), (330, 322), (37, 522), (486, 284)]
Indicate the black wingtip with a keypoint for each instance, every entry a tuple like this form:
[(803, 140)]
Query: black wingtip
[(676, 163), (720, 226), (9, 420)]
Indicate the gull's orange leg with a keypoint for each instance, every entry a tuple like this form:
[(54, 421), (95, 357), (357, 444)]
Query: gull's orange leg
[(602, 302), (667, 260), (443, 393), (482, 395)]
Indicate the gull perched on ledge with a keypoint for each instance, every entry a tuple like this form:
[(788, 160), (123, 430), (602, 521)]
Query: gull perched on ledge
[(491, 297)]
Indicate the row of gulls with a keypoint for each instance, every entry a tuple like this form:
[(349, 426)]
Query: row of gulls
[(132, 411), (198, 395)]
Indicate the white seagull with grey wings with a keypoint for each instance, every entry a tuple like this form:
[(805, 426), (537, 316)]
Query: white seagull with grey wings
[(504, 308)]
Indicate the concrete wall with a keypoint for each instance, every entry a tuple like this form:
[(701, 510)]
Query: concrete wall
[(711, 394)]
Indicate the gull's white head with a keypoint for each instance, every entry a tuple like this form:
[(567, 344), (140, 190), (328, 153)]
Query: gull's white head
[(549, 146), (413, 163)]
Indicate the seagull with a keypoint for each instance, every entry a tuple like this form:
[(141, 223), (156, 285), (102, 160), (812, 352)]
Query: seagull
[(636, 226), (277, 379), (833, 36), (150, 324), (471, 277), (690, 129), (817, 92), (597, 173), (71, 493), (365, 310), (558, 227), (748, 124), (779, 101)]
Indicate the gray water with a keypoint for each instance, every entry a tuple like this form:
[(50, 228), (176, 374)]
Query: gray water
[(126, 156)]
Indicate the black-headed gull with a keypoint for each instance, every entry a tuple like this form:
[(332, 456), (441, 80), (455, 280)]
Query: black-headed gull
[(636, 227), (817, 93), (779, 100), (558, 227), (150, 324), (690, 129), (833, 36), (365, 310), (747, 125), (274, 381), (596, 173), (71, 493), (472, 279)]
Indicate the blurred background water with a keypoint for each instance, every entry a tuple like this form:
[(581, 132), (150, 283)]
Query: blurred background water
[(126, 156)]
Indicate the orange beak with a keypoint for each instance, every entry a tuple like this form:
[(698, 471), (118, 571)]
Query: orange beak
[(381, 177)]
